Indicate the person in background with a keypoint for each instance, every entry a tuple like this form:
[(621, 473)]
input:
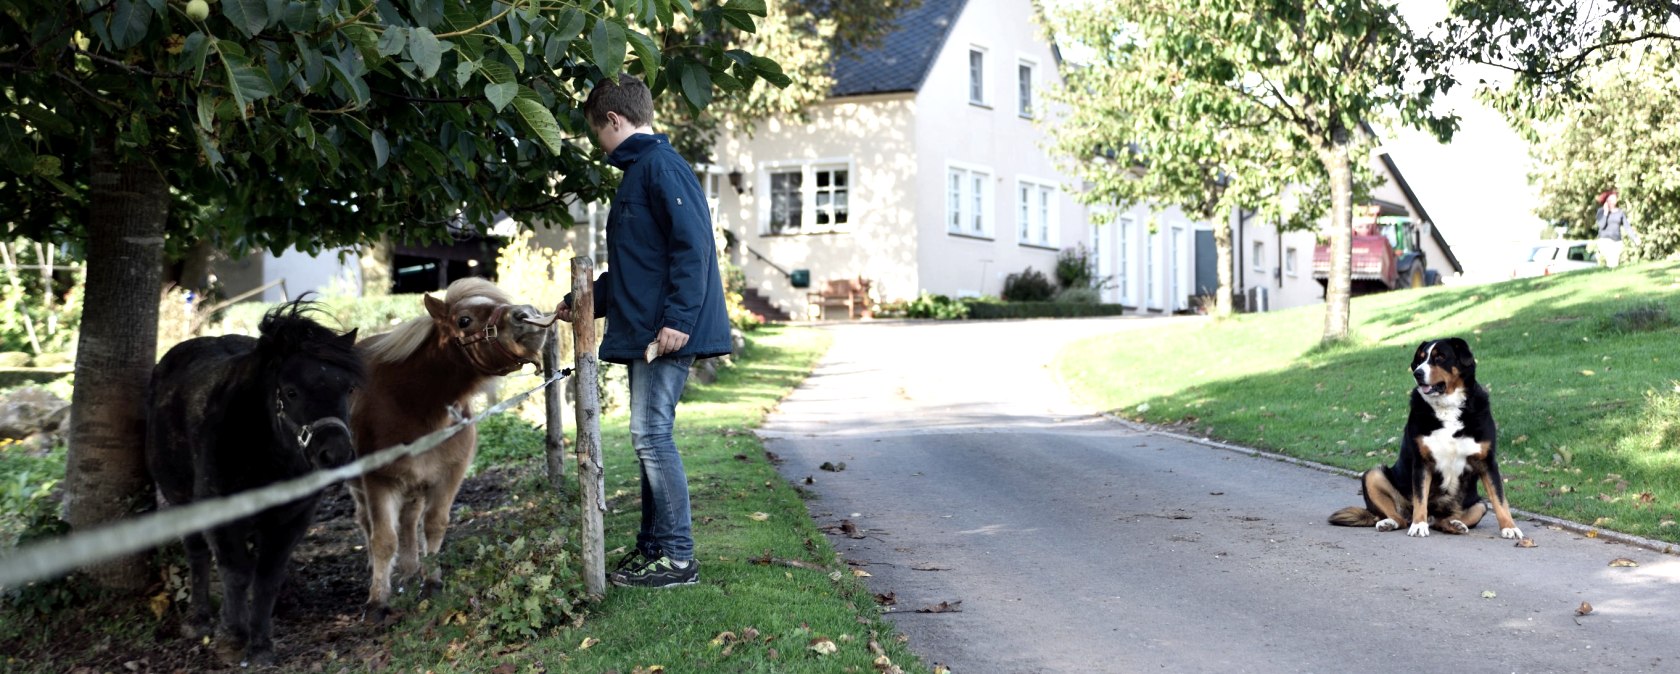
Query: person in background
[(1612, 228)]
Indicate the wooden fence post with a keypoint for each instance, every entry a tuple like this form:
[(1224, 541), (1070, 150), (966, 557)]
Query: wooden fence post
[(555, 443), (586, 376)]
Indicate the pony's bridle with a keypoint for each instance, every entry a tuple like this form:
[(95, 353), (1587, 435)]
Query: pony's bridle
[(495, 359), (305, 433)]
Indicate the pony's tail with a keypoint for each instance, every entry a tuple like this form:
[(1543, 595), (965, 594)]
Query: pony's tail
[(1353, 516)]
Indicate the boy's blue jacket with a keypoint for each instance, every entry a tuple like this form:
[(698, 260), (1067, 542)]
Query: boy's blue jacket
[(662, 259)]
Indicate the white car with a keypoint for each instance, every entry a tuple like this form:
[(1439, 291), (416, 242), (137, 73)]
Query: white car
[(1556, 257)]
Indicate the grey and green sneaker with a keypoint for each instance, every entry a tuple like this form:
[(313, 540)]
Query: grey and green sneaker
[(662, 572)]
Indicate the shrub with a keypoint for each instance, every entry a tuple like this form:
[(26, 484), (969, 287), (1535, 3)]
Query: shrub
[(936, 306), (1027, 286), (982, 310), (1075, 267), (1079, 295)]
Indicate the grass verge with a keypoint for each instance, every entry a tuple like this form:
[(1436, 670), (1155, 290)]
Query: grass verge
[(1581, 367), (742, 617)]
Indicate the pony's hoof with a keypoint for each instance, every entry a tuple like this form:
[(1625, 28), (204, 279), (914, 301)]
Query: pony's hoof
[(379, 614), (229, 650), (431, 588), (259, 657), (198, 628)]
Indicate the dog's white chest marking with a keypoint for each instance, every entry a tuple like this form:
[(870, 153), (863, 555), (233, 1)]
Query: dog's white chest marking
[(1450, 453)]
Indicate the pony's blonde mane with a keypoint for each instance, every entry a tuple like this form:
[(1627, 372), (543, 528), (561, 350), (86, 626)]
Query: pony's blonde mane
[(408, 337)]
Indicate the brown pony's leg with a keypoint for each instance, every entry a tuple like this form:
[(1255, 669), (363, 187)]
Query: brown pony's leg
[(439, 499), (409, 539), (382, 548), (358, 495)]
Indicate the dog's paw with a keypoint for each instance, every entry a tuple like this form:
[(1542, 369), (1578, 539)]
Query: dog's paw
[(1510, 532), (1458, 527), (1419, 529), (1387, 525)]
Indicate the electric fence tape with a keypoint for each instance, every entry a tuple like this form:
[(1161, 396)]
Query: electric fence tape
[(51, 558)]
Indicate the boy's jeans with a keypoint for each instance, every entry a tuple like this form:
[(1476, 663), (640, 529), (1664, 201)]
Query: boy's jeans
[(654, 390)]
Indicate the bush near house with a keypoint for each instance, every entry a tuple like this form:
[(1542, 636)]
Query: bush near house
[(1030, 285), (985, 310)]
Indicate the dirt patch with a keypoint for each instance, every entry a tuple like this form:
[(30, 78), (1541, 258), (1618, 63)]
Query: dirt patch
[(317, 618)]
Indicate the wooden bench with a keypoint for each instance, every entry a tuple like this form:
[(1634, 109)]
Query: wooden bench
[(851, 293)]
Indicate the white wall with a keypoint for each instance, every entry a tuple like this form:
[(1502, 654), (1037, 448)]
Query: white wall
[(1150, 272), (323, 273)]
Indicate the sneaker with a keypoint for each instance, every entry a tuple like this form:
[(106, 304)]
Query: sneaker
[(662, 572), (632, 561)]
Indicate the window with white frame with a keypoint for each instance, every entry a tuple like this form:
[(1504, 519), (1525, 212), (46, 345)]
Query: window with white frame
[(1152, 289), (1124, 268), (1035, 212), (968, 199), (977, 75), (1024, 88), (1289, 261), (810, 198), (1259, 263)]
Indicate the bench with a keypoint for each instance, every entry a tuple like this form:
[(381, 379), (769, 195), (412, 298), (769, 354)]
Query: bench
[(851, 293)]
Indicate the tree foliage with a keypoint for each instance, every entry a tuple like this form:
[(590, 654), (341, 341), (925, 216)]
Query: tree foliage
[(322, 122), (1626, 135), (1224, 104)]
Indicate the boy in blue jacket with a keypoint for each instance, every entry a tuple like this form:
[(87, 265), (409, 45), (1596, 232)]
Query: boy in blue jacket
[(663, 301)]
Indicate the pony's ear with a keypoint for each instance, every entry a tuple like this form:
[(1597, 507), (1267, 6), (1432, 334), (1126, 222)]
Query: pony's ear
[(349, 338), (436, 308)]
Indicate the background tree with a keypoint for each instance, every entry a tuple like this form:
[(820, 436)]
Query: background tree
[(1626, 135), (272, 123), (1312, 73)]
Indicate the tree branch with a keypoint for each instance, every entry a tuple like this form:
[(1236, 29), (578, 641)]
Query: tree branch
[(424, 99), (130, 68), (511, 6)]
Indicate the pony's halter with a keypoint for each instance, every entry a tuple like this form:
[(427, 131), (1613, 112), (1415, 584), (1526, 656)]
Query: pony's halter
[(305, 433), (487, 353)]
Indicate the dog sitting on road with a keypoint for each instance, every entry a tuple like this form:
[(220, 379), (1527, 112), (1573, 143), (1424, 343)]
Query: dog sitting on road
[(1447, 447)]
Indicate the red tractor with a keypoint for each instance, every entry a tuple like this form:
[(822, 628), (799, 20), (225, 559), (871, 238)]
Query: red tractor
[(1387, 252)]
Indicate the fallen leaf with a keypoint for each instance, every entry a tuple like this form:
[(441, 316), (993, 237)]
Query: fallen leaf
[(833, 467), (886, 666), (504, 668), (1588, 373), (875, 647), (773, 457), (1520, 439), (650, 669), (1623, 561), (1489, 594), (1592, 534), (809, 480), (1584, 609), (860, 573), (159, 604), (587, 642), (759, 517), (740, 457), (824, 646), (942, 669), (1527, 543), (929, 567), (723, 638), (942, 607), (887, 599)]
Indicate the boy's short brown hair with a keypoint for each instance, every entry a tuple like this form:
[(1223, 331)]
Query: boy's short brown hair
[(628, 97)]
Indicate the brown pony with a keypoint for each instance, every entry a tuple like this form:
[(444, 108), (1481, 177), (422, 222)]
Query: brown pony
[(420, 377)]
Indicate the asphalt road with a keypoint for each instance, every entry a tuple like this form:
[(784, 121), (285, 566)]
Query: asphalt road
[(1079, 544)]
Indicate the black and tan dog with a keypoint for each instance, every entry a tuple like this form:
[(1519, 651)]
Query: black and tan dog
[(1447, 448)]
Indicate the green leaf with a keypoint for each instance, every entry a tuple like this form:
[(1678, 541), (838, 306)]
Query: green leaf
[(393, 41), (314, 67), (697, 85), (646, 50), (771, 71), (496, 72), (513, 53), (247, 84), (687, 7), (608, 43), (381, 148), (425, 51), (206, 112), (299, 16), (249, 16), (129, 21), (500, 94), (663, 9), (740, 19), (755, 7), (463, 72), (570, 25), (542, 123)]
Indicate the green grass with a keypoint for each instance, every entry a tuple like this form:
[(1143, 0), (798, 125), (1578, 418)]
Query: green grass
[(633, 630), (1582, 369)]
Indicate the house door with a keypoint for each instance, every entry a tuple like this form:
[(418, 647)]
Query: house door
[(1180, 270), (1152, 276), (1103, 253)]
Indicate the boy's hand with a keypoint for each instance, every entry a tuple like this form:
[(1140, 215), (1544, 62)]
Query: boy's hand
[(563, 312), (670, 340)]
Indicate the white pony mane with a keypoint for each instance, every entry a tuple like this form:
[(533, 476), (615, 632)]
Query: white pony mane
[(408, 337)]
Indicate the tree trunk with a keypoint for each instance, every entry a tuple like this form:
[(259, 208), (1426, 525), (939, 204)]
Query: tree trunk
[(376, 268), (1338, 291), (1222, 300), (105, 478)]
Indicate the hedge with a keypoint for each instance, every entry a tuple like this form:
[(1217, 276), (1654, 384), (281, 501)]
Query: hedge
[(983, 310)]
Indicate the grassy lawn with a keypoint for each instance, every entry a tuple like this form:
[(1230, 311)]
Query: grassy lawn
[(742, 510), (1582, 369)]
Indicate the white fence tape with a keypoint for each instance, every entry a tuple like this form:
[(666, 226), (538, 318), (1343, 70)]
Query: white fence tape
[(53, 557)]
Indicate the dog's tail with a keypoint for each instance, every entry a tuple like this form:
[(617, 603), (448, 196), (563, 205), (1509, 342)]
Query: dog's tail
[(1353, 516)]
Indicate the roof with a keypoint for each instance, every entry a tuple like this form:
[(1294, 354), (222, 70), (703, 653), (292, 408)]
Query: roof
[(1434, 232), (905, 56)]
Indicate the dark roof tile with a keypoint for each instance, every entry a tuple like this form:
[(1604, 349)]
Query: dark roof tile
[(902, 61)]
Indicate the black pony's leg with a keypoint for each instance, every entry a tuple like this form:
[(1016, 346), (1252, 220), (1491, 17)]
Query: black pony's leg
[(234, 560), (203, 621), (274, 548)]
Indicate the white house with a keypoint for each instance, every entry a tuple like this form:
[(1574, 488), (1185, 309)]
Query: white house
[(925, 170)]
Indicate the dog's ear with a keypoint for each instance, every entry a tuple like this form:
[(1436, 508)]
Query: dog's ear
[(1462, 348)]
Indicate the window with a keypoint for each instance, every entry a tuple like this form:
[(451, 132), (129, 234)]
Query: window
[(969, 196), (1035, 212), (1025, 88), (809, 197), (1151, 289), (1259, 263), (977, 75), (1289, 261)]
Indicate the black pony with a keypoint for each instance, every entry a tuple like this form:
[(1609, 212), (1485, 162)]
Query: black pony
[(232, 413)]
